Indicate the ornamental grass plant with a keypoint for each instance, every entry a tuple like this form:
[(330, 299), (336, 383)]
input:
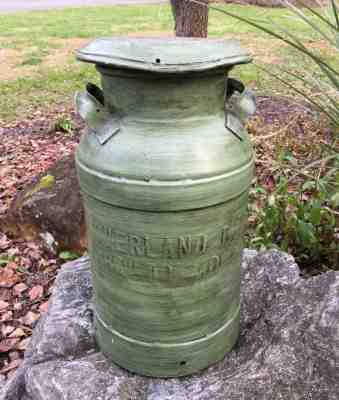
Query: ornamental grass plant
[(299, 212)]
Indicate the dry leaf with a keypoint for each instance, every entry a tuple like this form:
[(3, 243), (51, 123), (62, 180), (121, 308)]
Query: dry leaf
[(14, 355), (30, 318), (12, 365), (8, 278), (43, 307), (8, 316), (23, 344), (17, 306), (8, 344), (12, 265), (7, 330), (36, 292), (4, 242), (3, 305), (17, 333), (4, 170), (19, 289)]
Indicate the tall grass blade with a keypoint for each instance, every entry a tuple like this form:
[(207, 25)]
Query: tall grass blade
[(299, 46), (335, 12), (324, 90), (308, 21), (319, 15), (305, 95)]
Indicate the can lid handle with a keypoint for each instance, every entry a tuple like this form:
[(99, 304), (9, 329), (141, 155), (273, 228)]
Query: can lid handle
[(240, 105), (90, 105)]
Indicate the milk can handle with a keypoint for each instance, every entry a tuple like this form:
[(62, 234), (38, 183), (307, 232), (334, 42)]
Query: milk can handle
[(240, 108), (90, 105)]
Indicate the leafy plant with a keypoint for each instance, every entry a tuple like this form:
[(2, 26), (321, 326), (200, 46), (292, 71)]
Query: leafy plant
[(5, 259), (64, 124), (303, 223)]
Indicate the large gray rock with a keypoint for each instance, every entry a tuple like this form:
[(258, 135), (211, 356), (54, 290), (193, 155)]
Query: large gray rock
[(288, 347)]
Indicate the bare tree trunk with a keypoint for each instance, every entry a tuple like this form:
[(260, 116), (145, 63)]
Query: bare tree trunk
[(191, 19)]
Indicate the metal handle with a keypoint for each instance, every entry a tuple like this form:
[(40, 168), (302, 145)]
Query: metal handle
[(240, 105), (90, 105)]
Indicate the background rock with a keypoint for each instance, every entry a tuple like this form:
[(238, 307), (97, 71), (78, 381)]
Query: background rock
[(288, 347), (52, 211)]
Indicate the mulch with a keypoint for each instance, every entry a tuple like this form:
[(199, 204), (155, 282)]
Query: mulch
[(27, 271)]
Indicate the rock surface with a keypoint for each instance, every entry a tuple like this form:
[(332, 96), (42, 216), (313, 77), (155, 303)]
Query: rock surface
[(288, 347)]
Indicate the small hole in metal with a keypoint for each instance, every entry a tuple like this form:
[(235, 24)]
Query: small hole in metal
[(157, 60), (182, 362)]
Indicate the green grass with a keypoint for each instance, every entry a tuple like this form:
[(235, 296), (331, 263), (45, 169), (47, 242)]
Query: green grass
[(34, 36), (100, 21)]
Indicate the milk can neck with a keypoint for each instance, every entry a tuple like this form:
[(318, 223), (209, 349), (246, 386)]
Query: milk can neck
[(155, 96)]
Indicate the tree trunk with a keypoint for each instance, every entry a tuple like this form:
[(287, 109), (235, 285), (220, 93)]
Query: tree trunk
[(191, 19)]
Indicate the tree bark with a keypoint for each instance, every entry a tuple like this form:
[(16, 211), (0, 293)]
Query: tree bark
[(191, 19)]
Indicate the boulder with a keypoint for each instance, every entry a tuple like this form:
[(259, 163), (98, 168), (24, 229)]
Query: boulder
[(50, 209), (288, 346)]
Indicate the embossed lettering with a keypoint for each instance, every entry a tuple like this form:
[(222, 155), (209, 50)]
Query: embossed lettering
[(189, 246), (202, 244), (167, 249), (224, 237), (184, 246), (121, 242), (148, 248), (136, 245), (162, 247)]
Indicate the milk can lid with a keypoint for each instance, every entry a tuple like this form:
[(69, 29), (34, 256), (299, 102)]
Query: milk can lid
[(171, 55)]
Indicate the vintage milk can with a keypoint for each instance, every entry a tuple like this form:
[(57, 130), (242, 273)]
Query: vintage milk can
[(165, 171)]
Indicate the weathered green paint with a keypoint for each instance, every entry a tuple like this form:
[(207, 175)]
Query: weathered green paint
[(165, 186), (179, 55)]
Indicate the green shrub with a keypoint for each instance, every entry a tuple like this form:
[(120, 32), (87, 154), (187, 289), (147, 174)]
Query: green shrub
[(303, 223), (64, 124)]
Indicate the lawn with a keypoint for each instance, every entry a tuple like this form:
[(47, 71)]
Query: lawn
[(38, 67)]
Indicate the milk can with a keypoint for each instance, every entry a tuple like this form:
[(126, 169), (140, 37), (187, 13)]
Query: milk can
[(165, 171)]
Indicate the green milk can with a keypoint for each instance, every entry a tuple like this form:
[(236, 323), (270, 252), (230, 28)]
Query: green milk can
[(165, 171)]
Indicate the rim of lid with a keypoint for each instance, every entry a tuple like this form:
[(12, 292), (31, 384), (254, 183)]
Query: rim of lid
[(168, 55)]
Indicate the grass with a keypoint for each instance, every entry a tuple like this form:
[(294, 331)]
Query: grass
[(40, 67)]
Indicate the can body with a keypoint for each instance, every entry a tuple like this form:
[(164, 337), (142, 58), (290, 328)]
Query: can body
[(166, 208)]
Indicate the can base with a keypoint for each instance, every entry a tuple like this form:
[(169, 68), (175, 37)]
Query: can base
[(167, 359)]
